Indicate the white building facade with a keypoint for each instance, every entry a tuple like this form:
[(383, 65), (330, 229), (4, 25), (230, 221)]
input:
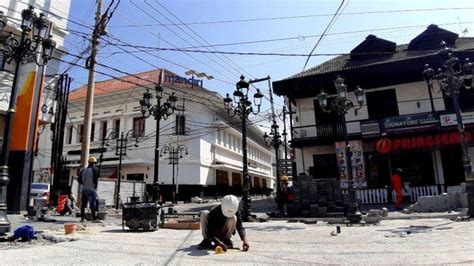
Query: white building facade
[(214, 162)]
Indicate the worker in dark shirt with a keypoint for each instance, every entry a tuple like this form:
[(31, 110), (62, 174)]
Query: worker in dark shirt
[(220, 223)]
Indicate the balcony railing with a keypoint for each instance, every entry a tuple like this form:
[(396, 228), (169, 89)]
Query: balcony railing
[(326, 130)]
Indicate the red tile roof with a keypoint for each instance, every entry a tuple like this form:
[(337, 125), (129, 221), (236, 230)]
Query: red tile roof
[(143, 79)]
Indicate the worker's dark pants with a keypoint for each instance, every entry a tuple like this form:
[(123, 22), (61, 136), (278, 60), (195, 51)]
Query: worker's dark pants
[(91, 197), (222, 233)]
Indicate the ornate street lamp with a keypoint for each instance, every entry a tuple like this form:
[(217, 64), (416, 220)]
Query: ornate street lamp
[(243, 110), (174, 154), (120, 151), (341, 105), (19, 51), (158, 111), (452, 77), (274, 140)]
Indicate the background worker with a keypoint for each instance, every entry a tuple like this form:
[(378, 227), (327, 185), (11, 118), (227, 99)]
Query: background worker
[(397, 187), (219, 224), (89, 179), (283, 197)]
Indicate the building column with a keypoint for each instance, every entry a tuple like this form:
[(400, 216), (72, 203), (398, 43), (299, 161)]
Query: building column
[(439, 171)]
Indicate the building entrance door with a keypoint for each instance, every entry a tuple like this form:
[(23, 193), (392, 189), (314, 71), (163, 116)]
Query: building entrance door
[(451, 159), (417, 167)]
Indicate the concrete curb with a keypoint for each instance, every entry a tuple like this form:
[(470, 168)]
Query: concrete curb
[(450, 216)]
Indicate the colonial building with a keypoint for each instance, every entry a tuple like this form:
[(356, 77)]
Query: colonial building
[(402, 124), (213, 164)]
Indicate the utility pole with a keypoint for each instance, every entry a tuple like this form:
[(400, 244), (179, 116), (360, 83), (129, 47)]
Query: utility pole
[(91, 87)]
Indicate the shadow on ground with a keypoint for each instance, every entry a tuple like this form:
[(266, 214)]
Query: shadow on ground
[(195, 251), (276, 228), (416, 229)]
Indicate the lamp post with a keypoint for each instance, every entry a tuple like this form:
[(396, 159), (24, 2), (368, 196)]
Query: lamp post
[(452, 78), (121, 150), (109, 134), (341, 105), (243, 110), (174, 153), (274, 140), (19, 52), (158, 111)]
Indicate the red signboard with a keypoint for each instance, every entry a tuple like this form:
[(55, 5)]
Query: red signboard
[(386, 145)]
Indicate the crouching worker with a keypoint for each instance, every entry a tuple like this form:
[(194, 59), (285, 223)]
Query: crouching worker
[(219, 224)]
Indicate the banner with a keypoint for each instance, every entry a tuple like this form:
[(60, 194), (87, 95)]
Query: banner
[(451, 120), (47, 109), (357, 160)]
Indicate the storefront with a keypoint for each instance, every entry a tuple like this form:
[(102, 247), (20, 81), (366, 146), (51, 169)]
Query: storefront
[(427, 158)]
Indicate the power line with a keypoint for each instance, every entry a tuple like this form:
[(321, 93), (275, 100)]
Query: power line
[(203, 39), (294, 17), (329, 34), (329, 26), (154, 18)]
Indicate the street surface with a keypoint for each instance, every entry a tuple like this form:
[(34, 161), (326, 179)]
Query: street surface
[(420, 241)]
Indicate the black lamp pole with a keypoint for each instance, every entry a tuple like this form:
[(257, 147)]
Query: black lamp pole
[(341, 105), (452, 78), (110, 133), (174, 154), (158, 111), (121, 150), (26, 48), (274, 140), (243, 110)]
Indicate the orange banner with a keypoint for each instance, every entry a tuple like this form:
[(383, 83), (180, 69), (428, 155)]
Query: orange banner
[(22, 119)]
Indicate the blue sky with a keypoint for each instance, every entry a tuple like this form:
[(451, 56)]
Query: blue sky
[(134, 26)]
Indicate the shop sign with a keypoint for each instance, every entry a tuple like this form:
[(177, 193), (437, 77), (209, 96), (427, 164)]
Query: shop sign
[(180, 80), (450, 119), (407, 123), (4, 100), (357, 159), (385, 145), (48, 110)]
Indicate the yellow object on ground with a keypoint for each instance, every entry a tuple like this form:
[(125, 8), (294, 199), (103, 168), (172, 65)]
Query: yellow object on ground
[(219, 250)]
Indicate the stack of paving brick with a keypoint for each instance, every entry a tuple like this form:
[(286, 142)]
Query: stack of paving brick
[(316, 198)]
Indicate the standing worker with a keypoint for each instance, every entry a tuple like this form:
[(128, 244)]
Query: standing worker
[(397, 187), (283, 197), (219, 224), (89, 179)]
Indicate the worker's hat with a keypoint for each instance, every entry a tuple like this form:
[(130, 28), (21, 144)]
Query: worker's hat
[(92, 160), (284, 178)]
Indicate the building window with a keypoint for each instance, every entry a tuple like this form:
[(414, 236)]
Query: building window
[(382, 104), (222, 178), (79, 136), (69, 135), (180, 126), (136, 177), (116, 128), (92, 132), (103, 130), (139, 127)]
